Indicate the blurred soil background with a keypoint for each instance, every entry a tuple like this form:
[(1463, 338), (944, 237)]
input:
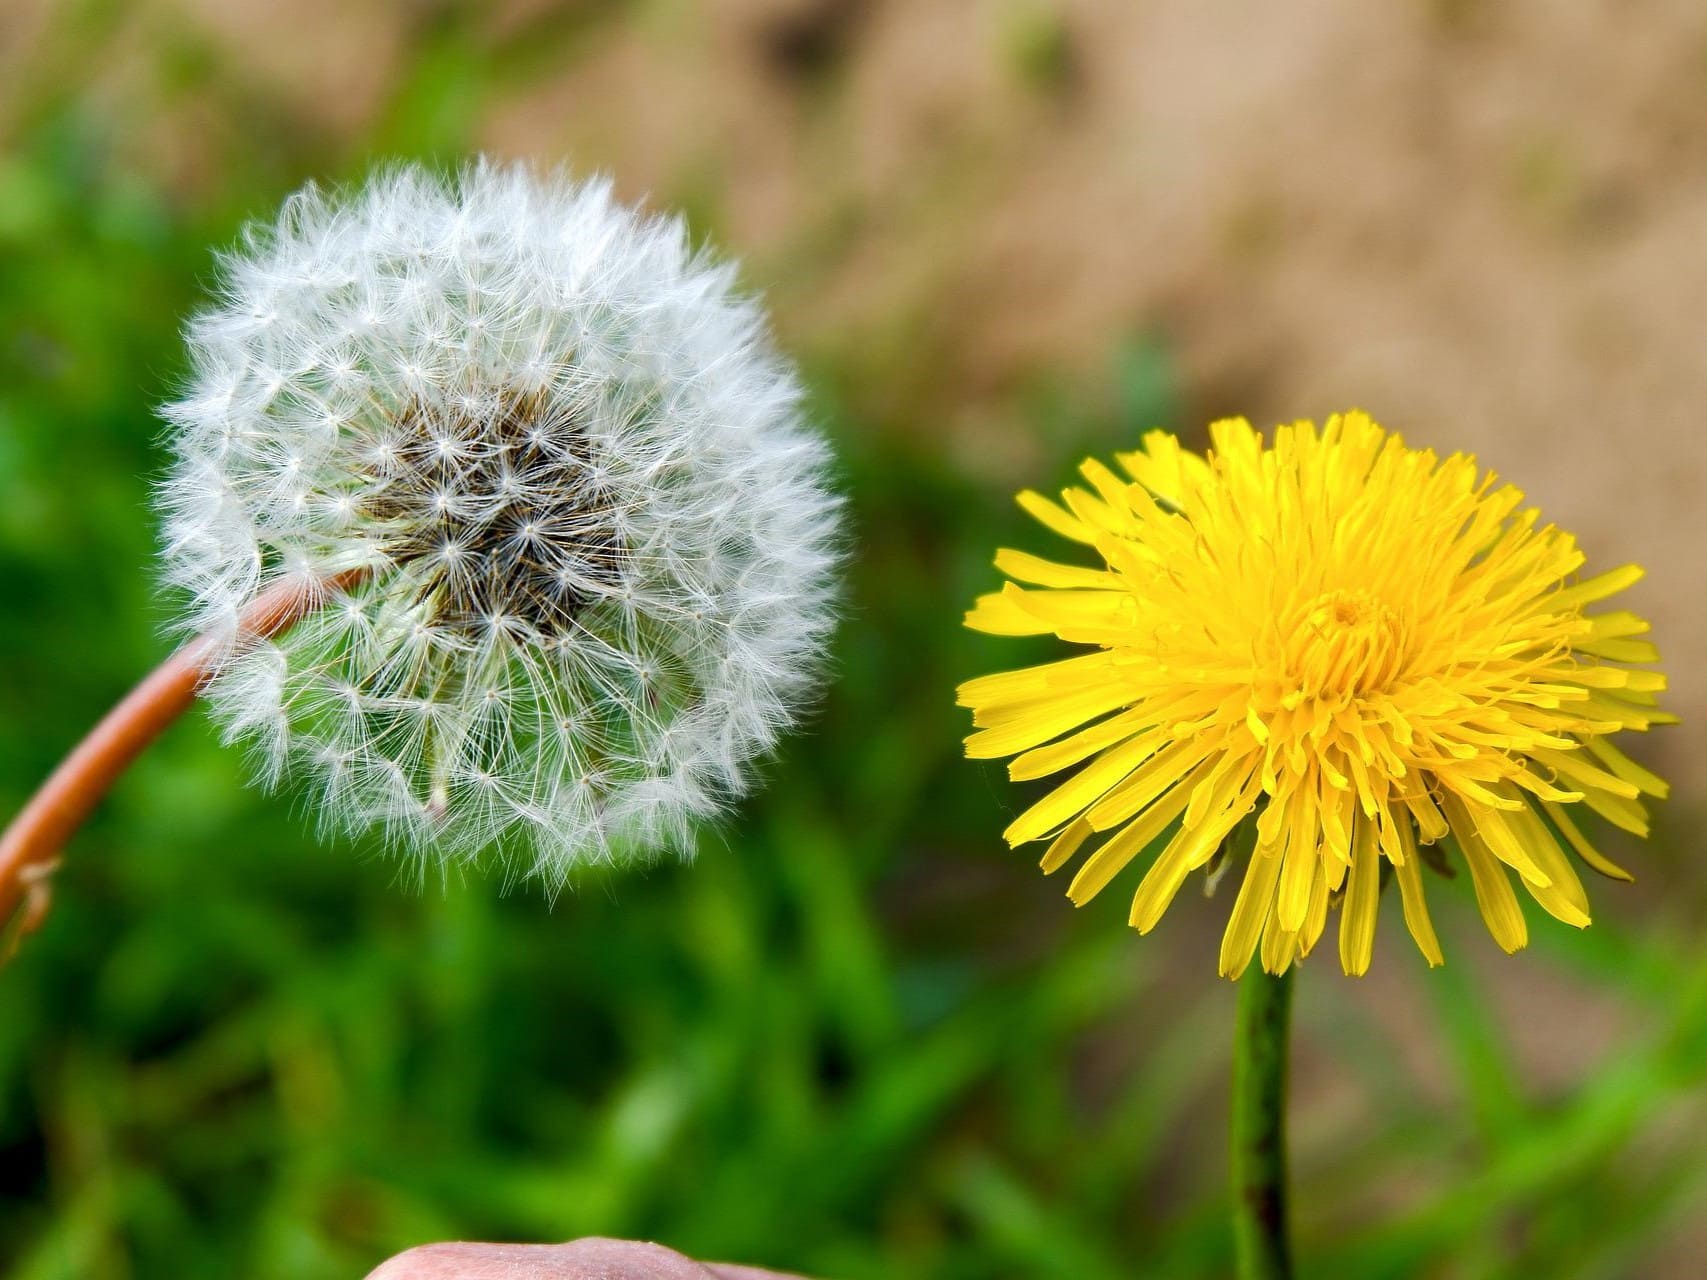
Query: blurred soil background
[(860, 1038)]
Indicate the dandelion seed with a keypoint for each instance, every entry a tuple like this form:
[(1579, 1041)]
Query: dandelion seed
[(1345, 648)]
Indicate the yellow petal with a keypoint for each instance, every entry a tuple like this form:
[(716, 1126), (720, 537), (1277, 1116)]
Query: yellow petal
[(1362, 896), (1055, 518), (1250, 912), (1064, 846), (1562, 897), (1079, 791), (1020, 728), (1147, 783), (1642, 779), (1033, 682), (1043, 761), (1187, 850), (999, 614), (1597, 588), (1494, 896), (1279, 946), (1316, 914), (1586, 851), (1047, 573), (1136, 836), (1409, 875)]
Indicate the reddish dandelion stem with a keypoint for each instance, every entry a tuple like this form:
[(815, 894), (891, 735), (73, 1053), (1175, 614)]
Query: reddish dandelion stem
[(29, 848)]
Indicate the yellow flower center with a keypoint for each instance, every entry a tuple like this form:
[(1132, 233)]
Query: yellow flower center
[(1347, 643)]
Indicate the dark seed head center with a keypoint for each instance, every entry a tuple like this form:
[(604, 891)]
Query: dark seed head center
[(499, 506)]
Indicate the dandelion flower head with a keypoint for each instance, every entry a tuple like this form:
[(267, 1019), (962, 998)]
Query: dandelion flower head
[(553, 449), (1315, 663)]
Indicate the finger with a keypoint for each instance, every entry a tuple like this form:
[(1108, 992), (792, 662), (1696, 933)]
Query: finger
[(588, 1259)]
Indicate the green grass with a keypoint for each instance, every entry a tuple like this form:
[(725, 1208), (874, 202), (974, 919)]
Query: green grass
[(858, 1038)]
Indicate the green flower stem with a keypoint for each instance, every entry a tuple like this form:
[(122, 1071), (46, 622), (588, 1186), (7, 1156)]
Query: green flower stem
[(1259, 1126)]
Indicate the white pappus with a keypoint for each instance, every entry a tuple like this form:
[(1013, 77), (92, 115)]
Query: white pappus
[(590, 538)]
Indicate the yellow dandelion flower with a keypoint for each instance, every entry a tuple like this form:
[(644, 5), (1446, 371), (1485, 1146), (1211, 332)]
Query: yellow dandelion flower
[(1362, 648)]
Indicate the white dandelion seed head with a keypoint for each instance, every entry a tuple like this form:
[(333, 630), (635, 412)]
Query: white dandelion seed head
[(598, 545)]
